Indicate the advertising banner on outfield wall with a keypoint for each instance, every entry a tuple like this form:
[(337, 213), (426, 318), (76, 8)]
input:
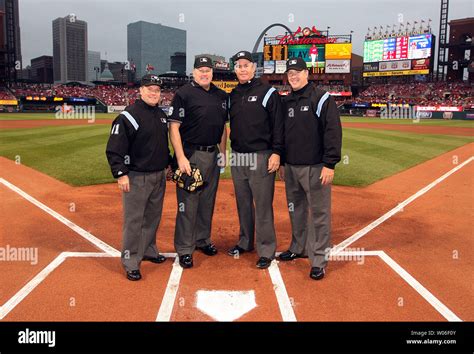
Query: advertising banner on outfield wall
[(441, 115), (439, 108), (8, 102), (338, 66), (114, 109), (341, 93)]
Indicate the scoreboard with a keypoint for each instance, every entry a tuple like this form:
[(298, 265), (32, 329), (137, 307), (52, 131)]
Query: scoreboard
[(404, 55), (275, 52), (399, 48), (331, 58)]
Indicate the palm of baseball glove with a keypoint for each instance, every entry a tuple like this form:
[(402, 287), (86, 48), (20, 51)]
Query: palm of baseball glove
[(189, 183)]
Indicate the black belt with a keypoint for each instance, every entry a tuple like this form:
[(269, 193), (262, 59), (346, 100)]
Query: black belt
[(210, 148)]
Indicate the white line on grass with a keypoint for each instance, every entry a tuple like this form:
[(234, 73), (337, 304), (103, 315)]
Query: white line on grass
[(88, 236), (338, 248), (169, 298), (286, 309)]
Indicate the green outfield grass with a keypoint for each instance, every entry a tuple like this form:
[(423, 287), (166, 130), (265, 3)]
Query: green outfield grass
[(424, 122), (41, 116), (76, 154)]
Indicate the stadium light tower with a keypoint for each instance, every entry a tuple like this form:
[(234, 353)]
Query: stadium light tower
[(442, 44)]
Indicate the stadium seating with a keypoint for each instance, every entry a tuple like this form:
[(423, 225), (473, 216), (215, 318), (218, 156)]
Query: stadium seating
[(450, 94), (426, 94), (5, 94), (108, 94)]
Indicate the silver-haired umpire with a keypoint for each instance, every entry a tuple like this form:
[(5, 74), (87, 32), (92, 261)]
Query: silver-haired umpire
[(256, 130), (138, 155), (313, 139)]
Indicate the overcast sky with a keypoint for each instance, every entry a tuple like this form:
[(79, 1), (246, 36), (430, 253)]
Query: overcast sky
[(220, 26)]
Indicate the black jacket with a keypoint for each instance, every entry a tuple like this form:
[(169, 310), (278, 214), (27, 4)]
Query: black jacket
[(313, 132), (256, 118), (138, 140)]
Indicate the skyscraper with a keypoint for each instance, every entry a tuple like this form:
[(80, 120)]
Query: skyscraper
[(42, 69), (93, 66), (178, 63), (70, 53), (10, 42), (153, 44)]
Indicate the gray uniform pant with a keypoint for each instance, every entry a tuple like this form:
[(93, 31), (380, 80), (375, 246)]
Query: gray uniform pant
[(142, 208), (309, 204), (195, 209), (254, 189)]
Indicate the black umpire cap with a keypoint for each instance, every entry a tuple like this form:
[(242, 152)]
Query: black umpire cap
[(296, 64), (202, 61), (150, 79), (243, 54)]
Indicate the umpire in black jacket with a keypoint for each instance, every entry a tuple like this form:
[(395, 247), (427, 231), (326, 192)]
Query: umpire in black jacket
[(257, 141), (313, 137), (138, 155)]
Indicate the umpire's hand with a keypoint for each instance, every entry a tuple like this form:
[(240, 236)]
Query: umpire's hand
[(124, 184), (327, 175), (273, 163), (184, 165)]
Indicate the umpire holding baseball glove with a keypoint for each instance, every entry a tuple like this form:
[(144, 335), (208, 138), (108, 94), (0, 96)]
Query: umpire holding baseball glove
[(313, 139), (198, 115), (138, 155)]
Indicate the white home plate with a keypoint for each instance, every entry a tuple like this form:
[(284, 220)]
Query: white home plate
[(225, 306)]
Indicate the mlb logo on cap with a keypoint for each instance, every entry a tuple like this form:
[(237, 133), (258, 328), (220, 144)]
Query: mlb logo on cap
[(242, 55), (202, 61), (295, 64)]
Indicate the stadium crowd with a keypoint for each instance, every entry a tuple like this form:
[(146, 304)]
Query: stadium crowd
[(6, 95), (426, 94), (423, 94)]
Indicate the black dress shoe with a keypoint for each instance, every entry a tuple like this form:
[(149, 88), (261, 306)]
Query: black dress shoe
[(236, 250), (289, 256), (158, 259), (186, 261), (263, 262), (134, 275), (209, 250), (317, 273)]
